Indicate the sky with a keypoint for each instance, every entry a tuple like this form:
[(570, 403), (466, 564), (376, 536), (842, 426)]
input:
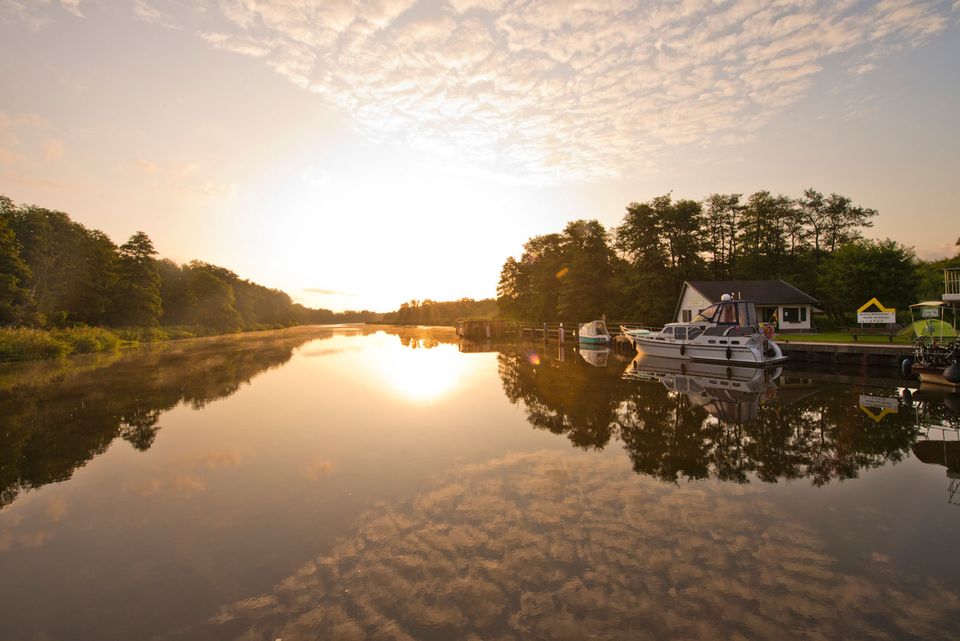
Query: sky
[(361, 154)]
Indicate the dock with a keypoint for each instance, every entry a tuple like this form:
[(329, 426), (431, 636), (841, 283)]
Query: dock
[(882, 354)]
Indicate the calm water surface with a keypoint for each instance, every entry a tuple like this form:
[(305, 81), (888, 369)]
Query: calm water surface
[(351, 484)]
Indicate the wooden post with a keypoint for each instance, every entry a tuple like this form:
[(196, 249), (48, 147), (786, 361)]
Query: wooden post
[(560, 334)]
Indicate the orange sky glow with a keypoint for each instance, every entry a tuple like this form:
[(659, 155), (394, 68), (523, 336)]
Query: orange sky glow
[(360, 154)]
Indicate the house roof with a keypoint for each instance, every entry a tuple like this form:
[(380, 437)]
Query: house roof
[(761, 292)]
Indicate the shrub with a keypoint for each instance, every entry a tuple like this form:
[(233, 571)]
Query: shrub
[(86, 340), (22, 344)]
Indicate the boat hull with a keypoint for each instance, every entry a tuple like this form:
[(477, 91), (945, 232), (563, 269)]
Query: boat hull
[(594, 340), (743, 355), (933, 376)]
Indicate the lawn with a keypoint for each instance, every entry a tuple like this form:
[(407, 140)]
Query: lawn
[(842, 337)]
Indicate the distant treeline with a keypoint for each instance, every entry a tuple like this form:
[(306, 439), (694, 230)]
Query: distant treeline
[(429, 312), (56, 273), (635, 271)]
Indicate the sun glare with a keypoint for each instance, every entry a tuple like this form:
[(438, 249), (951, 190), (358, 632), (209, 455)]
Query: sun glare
[(421, 375)]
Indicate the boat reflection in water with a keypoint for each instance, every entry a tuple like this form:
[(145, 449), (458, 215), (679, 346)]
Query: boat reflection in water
[(938, 434), (596, 355), (731, 394)]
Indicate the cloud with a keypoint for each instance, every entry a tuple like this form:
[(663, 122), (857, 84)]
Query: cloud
[(544, 89), (326, 292), (72, 6), (186, 176), (53, 149), (148, 13)]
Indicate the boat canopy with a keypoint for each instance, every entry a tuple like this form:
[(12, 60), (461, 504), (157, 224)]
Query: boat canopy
[(732, 312), (594, 328)]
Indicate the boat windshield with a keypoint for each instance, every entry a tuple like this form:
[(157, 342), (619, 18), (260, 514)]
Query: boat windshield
[(706, 315)]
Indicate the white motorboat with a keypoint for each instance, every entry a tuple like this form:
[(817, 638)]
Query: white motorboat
[(726, 332), (732, 393), (594, 333)]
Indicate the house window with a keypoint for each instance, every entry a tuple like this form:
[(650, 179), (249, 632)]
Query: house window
[(794, 314), (686, 315)]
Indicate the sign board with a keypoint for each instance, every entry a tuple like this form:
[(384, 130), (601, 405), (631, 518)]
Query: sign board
[(929, 312), (881, 315), (885, 404)]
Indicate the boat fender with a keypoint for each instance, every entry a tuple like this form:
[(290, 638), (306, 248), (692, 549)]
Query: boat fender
[(908, 397), (683, 368), (952, 373), (729, 353), (906, 367), (683, 350), (729, 372)]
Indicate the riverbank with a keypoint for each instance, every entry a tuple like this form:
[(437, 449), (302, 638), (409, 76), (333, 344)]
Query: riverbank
[(19, 344)]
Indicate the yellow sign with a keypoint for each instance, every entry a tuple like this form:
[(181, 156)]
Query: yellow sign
[(880, 307), (884, 315), (886, 406)]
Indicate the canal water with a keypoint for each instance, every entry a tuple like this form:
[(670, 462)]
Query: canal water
[(338, 483)]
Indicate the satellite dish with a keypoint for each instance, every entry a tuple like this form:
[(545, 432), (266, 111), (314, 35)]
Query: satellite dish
[(726, 297)]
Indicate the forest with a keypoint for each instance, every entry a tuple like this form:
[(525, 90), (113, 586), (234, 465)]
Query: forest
[(635, 270), (61, 283)]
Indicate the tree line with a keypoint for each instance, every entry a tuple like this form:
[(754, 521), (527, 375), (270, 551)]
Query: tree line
[(635, 271)]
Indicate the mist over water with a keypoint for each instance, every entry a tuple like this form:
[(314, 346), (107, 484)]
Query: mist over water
[(350, 483)]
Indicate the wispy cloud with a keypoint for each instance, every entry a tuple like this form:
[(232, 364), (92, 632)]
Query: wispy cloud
[(72, 6), (186, 176), (148, 13), (583, 89), (325, 292)]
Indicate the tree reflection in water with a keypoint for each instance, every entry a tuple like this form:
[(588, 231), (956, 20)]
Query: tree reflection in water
[(55, 417), (706, 422)]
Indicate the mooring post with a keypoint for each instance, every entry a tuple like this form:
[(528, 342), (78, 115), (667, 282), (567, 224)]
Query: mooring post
[(560, 334)]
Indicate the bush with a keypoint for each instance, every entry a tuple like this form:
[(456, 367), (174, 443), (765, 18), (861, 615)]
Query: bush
[(86, 340), (22, 344)]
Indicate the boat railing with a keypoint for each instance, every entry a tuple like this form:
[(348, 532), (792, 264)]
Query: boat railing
[(951, 285), (649, 328)]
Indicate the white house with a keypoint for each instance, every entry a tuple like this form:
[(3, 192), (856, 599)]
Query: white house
[(792, 307)]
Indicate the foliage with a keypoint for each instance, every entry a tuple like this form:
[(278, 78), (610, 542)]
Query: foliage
[(862, 269), (428, 312), (136, 295), (23, 343), (14, 272), (813, 242)]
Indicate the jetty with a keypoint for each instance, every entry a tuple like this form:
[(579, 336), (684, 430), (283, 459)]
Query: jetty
[(858, 353)]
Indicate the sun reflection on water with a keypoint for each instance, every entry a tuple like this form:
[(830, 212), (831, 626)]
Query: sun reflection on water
[(420, 375)]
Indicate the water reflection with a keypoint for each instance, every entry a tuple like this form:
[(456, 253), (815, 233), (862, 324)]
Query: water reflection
[(422, 495), (707, 421), (938, 424), (548, 546), (55, 417)]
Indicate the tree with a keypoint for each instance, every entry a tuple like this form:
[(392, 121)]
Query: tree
[(862, 269), (584, 285), (212, 298), (721, 222), (137, 299), (14, 272)]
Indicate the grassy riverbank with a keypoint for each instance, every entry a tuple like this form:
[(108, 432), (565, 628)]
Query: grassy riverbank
[(26, 344), (842, 337)]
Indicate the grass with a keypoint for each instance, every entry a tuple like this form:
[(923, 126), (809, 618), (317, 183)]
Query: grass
[(843, 337), (24, 344)]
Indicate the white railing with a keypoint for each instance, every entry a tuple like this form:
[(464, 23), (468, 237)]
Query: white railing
[(951, 284)]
